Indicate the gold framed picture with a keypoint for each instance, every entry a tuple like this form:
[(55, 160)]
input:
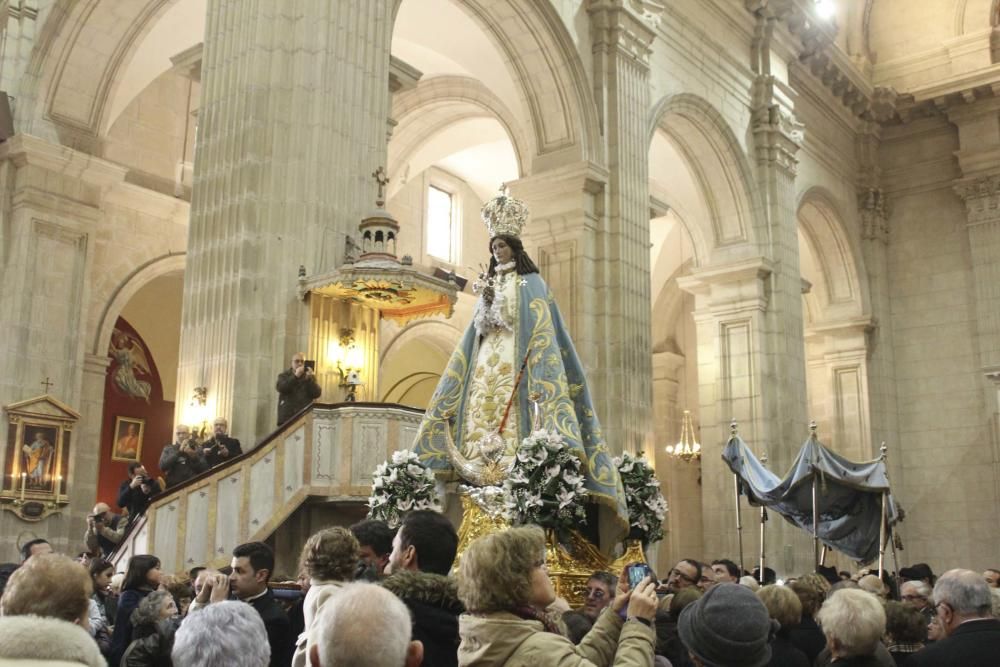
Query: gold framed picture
[(127, 445)]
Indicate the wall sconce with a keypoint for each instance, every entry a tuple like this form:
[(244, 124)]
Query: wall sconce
[(198, 411), (348, 358)]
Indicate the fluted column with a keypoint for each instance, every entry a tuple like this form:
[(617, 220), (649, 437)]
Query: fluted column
[(622, 323), (292, 122)]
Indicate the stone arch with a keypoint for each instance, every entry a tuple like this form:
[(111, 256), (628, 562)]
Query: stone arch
[(437, 333), (76, 64), (555, 86), (718, 163), (128, 288), (437, 103), (838, 291)]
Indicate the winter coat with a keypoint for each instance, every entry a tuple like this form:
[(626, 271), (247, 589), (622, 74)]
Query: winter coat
[(501, 638), (36, 641), (295, 393), (152, 646), (435, 608)]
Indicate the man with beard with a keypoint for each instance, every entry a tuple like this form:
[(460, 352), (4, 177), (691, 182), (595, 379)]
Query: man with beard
[(423, 552)]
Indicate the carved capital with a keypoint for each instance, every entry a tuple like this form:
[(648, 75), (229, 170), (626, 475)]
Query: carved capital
[(777, 132), (874, 214), (624, 26), (982, 198)]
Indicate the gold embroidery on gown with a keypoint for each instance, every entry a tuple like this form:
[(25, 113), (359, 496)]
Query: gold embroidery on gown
[(492, 379)]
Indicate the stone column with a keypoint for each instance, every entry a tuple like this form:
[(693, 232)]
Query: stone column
[(840, 371), (622, 318), (292, 123), (18, 31), (734, 382), (873, 209)]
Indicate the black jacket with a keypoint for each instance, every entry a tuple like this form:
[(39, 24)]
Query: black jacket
[(435, 607), (972, 644), (135, 500), (212, 455), (152, 646), (785, 654), (294, 394), (178, 467), (808, 638), (279, 629)]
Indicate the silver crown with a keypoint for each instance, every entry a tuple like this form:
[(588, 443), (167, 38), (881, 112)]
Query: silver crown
[(504, 214)]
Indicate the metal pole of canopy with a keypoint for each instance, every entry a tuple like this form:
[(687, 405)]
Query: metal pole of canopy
[(816, 559), (763, 522), (736, 488), (885, 520), (815, 527)]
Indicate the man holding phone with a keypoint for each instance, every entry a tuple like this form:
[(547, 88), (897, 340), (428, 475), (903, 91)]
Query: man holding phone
[(297, 387)]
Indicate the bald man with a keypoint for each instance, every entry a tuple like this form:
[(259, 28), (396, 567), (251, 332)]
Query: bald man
[(104, 530)]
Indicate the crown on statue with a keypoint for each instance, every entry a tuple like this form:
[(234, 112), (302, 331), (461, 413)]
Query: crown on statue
[(504, 214)]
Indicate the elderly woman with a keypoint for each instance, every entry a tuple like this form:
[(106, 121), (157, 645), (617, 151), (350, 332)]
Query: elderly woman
[(783, 606), (905, 631), (154, 624), (853, 622), (505, 587)]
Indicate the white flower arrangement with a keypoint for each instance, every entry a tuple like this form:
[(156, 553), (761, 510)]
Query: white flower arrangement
[(646, 506), (400, 486), (545, 486)]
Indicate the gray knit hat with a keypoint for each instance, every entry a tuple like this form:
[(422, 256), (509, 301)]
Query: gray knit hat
[(727, 627)]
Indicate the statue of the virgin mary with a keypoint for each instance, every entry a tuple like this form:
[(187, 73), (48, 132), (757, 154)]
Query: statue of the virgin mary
[(515, 353)]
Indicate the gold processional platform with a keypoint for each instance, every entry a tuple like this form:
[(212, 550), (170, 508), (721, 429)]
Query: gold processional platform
[(570, 564)]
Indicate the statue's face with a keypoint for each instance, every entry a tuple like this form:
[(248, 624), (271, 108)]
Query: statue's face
[(501, 251)]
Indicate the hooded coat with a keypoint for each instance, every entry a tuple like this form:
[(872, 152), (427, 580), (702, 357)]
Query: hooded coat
[(433, 602), (501, 638), (36, 641)]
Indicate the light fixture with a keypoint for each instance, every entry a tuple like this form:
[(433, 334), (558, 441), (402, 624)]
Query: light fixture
[(826, 9), (198, 411), (687, 448), (348, 358)]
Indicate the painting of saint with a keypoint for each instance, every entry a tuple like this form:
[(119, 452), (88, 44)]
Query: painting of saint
[(38, 452), (128, 439), (130, 363)]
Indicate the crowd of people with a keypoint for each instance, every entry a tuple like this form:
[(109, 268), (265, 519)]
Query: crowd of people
[(370, 596)]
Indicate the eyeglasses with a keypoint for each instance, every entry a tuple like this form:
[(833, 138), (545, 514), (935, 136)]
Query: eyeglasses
[(596, 593), (677, 573), (912, 597)]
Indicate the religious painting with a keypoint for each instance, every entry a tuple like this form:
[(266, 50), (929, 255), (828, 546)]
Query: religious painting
[(37, 457), (38, 454), (128, 439)]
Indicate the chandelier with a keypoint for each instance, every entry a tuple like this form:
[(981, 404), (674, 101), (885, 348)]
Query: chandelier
[(687, 448)]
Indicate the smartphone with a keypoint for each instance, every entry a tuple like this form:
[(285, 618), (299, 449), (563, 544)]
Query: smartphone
[(310, 364), (639, 571)]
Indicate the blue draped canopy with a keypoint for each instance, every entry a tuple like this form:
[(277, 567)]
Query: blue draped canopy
[(849, 494)]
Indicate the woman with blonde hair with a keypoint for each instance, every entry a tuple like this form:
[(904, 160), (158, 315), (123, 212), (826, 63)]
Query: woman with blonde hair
[(783, 606), (505, 587), (329, 560)]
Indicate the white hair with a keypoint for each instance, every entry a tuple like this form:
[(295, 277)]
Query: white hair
[(214, 635), (965, 591), (344, 630), (855, 619), (921, 588)]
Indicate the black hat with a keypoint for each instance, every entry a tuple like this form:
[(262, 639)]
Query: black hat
[(916, 572)]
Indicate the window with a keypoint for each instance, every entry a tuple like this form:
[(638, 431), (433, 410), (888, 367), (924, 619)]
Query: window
[(442, 237)]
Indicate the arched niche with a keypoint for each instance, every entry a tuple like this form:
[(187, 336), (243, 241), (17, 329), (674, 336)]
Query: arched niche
[(724, 230)]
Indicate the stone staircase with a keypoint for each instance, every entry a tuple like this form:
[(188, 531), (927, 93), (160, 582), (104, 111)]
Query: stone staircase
[(327, 451)]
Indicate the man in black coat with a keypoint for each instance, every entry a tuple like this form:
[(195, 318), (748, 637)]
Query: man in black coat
[(135, 492), (252, 565), (972, 635), (220, 447), (423, 552), (297, 388)]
